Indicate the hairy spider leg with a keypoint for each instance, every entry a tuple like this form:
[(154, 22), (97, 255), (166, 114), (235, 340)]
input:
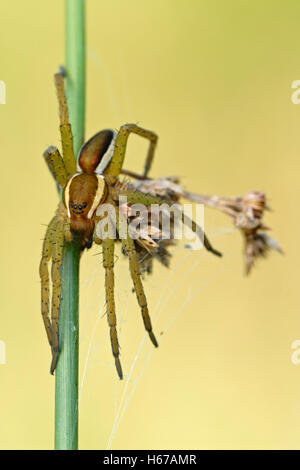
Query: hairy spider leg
[(57, 255), (115, 166), (44, 275), (65, 126), (201, 234), (56, 165), (108, 245), (128, 246), (58, 230)]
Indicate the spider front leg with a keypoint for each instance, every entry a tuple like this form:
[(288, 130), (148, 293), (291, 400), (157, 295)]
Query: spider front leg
[(128, 246), (108, 245), (56, 166), (115, 166), (65, 126)]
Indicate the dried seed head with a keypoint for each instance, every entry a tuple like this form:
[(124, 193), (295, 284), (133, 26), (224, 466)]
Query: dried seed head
[(257, 245), (246, 212)]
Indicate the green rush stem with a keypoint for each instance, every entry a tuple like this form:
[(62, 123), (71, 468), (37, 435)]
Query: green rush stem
[(66, 383)]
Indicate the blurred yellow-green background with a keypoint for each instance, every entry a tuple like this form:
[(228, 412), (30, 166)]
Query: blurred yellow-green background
[(213, 79)]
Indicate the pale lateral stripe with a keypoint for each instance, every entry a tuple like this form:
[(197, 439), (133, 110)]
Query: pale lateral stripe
[(98, 195), (105, 160), (67, 194)]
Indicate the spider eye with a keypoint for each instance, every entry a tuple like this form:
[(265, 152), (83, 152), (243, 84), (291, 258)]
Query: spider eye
[(78, 208), (92, 152)]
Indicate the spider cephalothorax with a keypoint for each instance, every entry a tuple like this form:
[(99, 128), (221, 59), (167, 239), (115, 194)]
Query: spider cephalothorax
[(84, 190)]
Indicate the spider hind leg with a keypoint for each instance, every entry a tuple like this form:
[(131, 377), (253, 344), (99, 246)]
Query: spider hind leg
[(57, 231), (57, 255), (44, 276)]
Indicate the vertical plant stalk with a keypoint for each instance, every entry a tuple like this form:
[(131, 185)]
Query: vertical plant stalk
[(66, 383)]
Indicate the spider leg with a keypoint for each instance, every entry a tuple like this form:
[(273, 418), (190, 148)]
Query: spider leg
[(201, 235), (65, 126), (138, 197), (128, 246), (58, 230), (57, 254), (116, 163), (108, 263), (56, 165), (136, 176), (44, 276)]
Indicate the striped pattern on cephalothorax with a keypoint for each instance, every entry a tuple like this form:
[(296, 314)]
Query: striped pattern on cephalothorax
[(82, 195)]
